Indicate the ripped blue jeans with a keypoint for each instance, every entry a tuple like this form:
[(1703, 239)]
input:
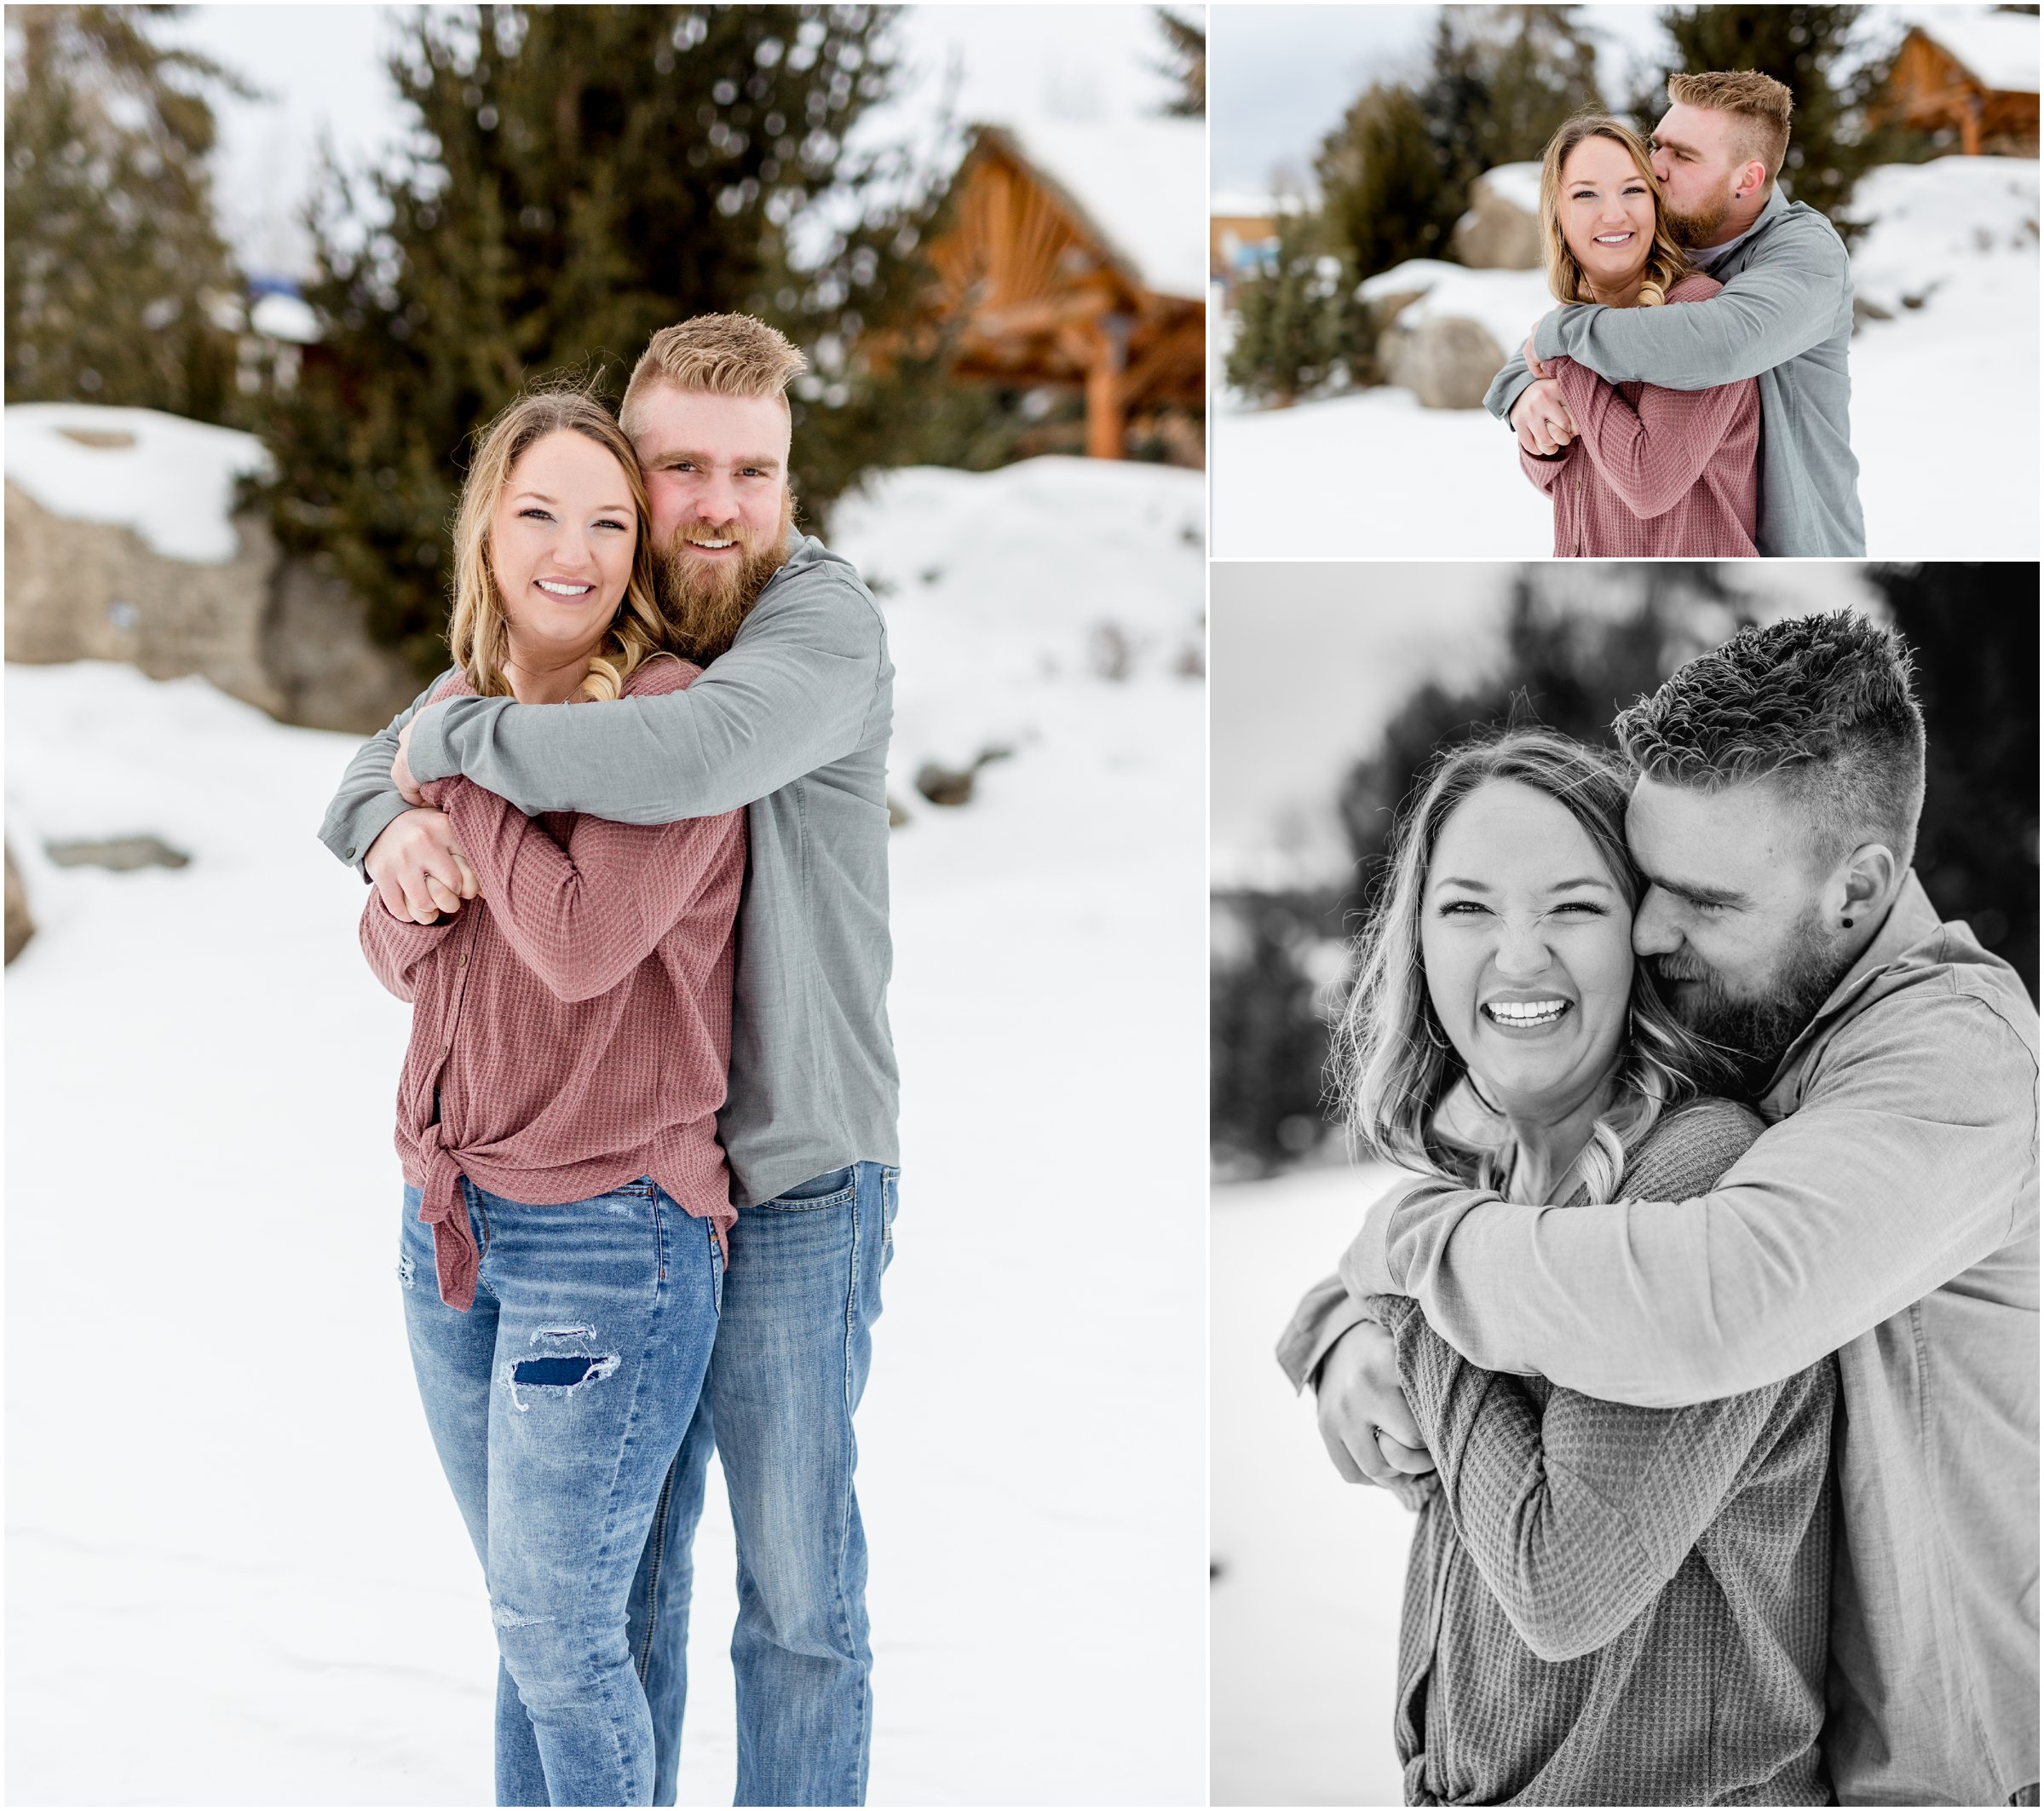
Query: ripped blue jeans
[(557, 1404)]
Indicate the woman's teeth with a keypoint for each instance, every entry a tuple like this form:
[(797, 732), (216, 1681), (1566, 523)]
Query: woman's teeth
[(1613, 239), (563, 591), (1526, 1012)]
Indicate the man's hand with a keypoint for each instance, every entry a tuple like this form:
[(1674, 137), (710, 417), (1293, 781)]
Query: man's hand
[(1370, 1433), (400, 771), (1541, 419), (418, 870)]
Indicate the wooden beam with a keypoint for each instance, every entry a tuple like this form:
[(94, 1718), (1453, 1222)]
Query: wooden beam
[(1106, 422)]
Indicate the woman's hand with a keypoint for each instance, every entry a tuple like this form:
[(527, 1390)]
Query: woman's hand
[(1541, 419), (1369, 1431), (419, 869)]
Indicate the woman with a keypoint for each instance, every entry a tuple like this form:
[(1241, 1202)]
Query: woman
[(1605, 1605), (556, 1115), (1650, 471)]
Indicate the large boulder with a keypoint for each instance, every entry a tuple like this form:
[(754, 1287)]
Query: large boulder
[(184, 585), (274, 632), (1501, 230), (1446, 361)]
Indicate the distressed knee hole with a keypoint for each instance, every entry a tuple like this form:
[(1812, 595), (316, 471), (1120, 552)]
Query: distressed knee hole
[(506, 1618), (403, 1268), (559, 1370)]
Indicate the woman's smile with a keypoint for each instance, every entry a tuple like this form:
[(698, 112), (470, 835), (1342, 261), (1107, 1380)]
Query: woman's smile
[(1534, 1017)]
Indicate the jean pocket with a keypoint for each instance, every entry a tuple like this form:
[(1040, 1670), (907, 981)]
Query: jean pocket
[(717, 1267), (890, 1202), (833, 1189)]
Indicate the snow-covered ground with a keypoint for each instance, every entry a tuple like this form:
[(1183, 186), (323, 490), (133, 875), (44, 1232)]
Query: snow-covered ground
[(236, 1575), (1310, 1571), (1942, 420)]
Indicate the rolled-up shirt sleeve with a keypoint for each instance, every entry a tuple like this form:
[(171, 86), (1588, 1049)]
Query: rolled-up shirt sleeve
[(1903, 1167)]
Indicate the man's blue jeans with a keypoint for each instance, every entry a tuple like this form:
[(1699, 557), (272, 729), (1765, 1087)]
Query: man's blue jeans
[(556, 1403), (793, 1346)]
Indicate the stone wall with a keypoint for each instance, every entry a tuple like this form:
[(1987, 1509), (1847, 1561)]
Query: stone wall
[(276, 633)]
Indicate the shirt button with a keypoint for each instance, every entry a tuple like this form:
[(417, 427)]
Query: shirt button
[(350, 857)]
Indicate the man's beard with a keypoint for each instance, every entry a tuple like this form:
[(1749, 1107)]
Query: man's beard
[(705, 600), (1690, 231), (1756, 1032)]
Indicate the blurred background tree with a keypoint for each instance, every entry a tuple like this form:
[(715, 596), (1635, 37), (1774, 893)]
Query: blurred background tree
[(1385, 193), (1576, 648), (1185, 61), (1395, 174), (1291, 318), (120, 288), (578, 178), (1974, 632)]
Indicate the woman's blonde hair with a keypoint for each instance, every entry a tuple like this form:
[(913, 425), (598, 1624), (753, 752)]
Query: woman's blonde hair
[(1393, 1066), (1666, 263), (476, 634)]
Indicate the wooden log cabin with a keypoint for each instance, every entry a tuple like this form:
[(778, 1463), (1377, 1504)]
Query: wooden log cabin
[(1076, 257), (1973, 75)]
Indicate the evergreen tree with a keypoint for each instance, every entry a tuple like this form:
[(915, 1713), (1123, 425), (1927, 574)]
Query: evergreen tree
[(119, 288), (1831, 144), (1267, 1039), (1395, 173), (578, 178), (1385, 193), (1972, 634), (1289, 319), (1505, 78), (1185, 41)]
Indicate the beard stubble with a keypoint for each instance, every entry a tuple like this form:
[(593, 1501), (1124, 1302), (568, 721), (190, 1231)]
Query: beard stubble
[(1690, 231), (1755, 1031), (705, 602)]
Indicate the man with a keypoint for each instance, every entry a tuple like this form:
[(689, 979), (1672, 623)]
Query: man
[(1784, 315), (790, 718), (1889, 1213)]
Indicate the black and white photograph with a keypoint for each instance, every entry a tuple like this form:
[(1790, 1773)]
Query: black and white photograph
[(1624, 1223)]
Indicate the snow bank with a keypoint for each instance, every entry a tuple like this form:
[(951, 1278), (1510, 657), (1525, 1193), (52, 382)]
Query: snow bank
[(1042, 580), (169, 480), (201, 1070), (1310, 1571), (1506, 303), (1143, 182), (1967, 222)]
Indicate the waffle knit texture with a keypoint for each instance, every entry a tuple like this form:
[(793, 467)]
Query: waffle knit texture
[(571, 1027), (1608, 1605), (1653, 471)]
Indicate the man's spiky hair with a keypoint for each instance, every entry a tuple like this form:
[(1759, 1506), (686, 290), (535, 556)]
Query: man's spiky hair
[(1825, 703)]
